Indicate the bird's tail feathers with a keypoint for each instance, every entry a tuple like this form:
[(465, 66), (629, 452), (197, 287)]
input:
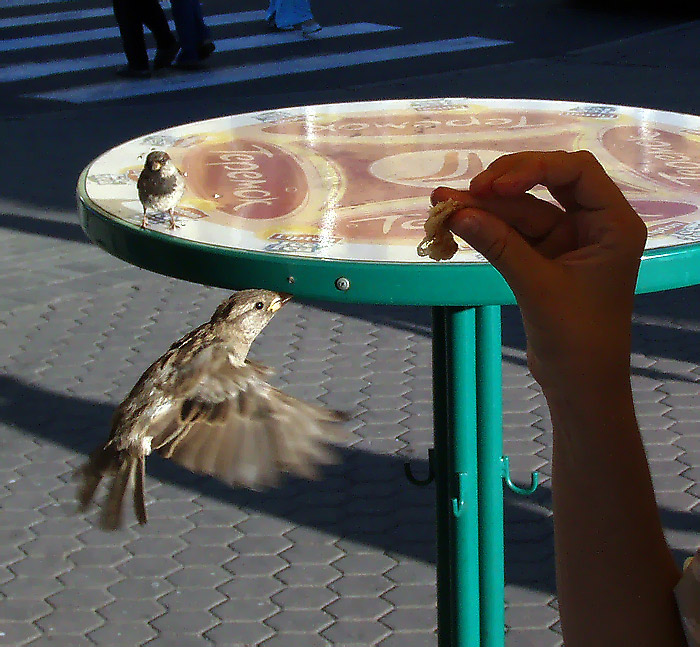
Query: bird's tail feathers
[(101, 461), (139, 491), (110, 518), (128, 471)]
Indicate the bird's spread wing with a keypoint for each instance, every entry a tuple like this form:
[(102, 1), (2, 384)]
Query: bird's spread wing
[(262, 370), (238, 428)]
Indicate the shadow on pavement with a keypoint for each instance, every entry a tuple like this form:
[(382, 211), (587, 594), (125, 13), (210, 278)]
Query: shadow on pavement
[(365, 498), (54, 229)]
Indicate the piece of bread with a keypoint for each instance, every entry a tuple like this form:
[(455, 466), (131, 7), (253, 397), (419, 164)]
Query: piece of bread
[(439, 243)]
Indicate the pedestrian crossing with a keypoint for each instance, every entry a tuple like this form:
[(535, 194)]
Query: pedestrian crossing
[(88, 35), (64, 66), (69, 50)]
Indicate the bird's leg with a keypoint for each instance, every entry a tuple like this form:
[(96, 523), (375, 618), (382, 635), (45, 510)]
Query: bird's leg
[(143, 220), (172, 219)]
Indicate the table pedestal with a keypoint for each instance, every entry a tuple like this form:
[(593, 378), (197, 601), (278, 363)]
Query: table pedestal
[(468, 468)]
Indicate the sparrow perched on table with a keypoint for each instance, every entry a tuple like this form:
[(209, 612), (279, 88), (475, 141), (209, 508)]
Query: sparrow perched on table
[(208, 408), (160, 185)]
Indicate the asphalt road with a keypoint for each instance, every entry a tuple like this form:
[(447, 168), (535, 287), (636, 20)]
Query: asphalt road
[(557, 49), (56, 54)]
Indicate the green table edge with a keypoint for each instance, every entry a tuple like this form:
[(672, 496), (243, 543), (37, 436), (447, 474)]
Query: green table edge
[(394, 283)]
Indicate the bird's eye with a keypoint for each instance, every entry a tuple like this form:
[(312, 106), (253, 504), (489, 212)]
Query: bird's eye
[(259, 305)]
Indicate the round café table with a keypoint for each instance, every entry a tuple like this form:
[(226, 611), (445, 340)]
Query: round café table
[(328, 202)]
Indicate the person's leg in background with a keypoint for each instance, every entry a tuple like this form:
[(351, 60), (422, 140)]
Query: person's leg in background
[(206, 46), (128, 19), (287, 15), (194, 35), (153, 17)]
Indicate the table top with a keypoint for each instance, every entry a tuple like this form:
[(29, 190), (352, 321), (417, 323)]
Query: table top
[(329, 201)]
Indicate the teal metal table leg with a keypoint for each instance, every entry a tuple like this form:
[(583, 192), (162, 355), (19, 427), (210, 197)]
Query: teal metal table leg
[(489, 451), (460, 345), (441, 470), (468, 475)]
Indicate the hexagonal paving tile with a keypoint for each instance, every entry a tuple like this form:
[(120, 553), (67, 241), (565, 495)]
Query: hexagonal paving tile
[(412, 619), (304, 597), (131, 610), (199, 577), (245, 610), (18, 610), (300, 620), (358, 608), (239, 633), (149, 566), (79, 599), (247, 565), (185, 622), (70, 621), (186, 600), (121, 634), (17, 633), (361, 585), (362, 632), (253, 588), (312, 554), (261, 545), (308, 574)]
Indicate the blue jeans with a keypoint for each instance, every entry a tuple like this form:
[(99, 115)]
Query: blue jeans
[(191, 30), (287, 13)]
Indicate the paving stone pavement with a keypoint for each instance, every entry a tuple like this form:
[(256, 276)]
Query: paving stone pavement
[(347, 560)]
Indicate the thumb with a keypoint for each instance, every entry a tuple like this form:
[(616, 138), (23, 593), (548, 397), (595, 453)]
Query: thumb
[(519, 264)]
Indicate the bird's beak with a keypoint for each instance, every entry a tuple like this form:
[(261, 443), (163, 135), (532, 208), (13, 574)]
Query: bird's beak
[(282, 298)]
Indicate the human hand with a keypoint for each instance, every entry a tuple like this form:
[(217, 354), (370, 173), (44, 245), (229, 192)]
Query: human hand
[(572, 268)]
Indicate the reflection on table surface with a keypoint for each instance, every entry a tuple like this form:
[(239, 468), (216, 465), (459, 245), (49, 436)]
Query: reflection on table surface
[(352, 181)]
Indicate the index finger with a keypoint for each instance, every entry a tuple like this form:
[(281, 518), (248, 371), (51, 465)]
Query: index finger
[(575, 179), (531, 216)]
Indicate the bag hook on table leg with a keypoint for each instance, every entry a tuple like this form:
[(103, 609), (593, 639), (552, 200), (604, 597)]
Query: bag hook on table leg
[(534, 479), (458, 503), (421, 482)]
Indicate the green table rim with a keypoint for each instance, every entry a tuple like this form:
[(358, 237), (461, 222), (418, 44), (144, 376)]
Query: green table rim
[(391, 282)]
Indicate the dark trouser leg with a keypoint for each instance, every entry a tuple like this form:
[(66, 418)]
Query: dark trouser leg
[(154, 18), (203, 32), (184, 17), (131, 29)]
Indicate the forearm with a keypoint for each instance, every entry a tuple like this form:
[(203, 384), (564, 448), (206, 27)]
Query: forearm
[(615, 573)]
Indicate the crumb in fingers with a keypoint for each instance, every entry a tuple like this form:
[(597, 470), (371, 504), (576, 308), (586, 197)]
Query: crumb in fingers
[(439, 243)]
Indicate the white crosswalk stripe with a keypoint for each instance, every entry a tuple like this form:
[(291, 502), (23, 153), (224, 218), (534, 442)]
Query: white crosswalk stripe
[(38, 70), (42, 19), (121, 90), (48, 40), (41, 43), (30, 3)]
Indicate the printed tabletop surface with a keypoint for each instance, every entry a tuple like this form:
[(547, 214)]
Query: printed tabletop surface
[(352, 181)]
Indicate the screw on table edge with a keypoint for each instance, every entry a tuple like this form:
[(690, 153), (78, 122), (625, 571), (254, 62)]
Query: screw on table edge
[(342, 284)]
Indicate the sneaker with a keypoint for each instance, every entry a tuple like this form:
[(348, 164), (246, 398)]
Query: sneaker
[(129, 72), (165, 56), (309, 27), (205, 50)]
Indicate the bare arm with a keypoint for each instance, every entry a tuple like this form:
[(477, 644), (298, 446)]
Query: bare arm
[(573, 270)]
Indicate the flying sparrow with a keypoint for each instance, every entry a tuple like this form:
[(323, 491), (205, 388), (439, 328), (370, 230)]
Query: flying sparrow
[(160, 185), (205, 406)]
